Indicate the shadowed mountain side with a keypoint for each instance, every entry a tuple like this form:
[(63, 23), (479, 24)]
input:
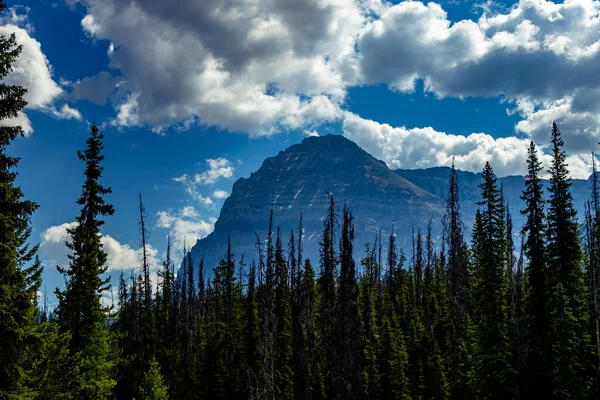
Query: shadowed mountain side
[(297, 181)]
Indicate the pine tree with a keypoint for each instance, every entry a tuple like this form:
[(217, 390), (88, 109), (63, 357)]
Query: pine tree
[(592, 230), (570, 343), (251, 333), (496, 369), (392, 355), (315, 354), (347, 329), (456, 261), (299, 322), (166, 351), (79, 310), (153, 386), (327, 289), (534, 230), (283, 334), (19, 281), (367, 302)]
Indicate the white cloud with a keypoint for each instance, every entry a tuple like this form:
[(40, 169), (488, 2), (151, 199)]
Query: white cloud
[(288, 64), (401, 147), (538, 52), (220, 194), (579, 125), (185, 226), (66, 112), (309, 133), (217, 168), (284, 64), (22, 120), (33, 71), (119, 256)]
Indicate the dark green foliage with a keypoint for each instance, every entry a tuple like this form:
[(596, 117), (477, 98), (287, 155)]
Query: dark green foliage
[(19, 277), (283, 334), (535, 274), (495, 363), (568, 335), (153, 386), (79, 310), (347, 329), (367, 301)]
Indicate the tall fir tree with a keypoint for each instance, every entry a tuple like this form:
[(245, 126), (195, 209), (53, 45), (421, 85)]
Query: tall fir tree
[(592, 225), (347, 329), (534, 230), (251, 334), (80, 311), (19, 278), (568, 337), (327, 289), (283, 328), (367, 303), (315, 354), (496, 369)]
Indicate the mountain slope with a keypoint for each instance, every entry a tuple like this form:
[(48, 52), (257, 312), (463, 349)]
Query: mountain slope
[(297, 181)]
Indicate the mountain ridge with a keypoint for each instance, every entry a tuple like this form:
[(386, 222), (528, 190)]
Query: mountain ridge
[(298, 179)]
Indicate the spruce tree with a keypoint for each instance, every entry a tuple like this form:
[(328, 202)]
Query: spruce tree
[(251, 333), (283, 335), (327, 289), (570, 343), (80, 311), (496, 369), (19, 279), (367, 303), (592, 225), (315, 354), (534, 230), (456, 260), (153, 386), (347, 329)]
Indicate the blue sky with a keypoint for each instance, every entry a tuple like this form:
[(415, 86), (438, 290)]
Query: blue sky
[(194, 97)]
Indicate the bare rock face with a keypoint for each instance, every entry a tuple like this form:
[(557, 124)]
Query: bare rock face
[(297, 181)]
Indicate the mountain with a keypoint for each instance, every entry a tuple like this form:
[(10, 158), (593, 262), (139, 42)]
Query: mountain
[(297, 180)]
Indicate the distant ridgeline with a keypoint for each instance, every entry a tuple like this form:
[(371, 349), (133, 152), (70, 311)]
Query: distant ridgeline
[(297, 180)]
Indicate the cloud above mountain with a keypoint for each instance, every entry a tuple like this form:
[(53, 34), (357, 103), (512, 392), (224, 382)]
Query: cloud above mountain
[(402, 147), (260, 67)]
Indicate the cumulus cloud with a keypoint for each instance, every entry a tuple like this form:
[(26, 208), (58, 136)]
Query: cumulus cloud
[(402, 147), (288, 64), (66, 112), (184, 226), (217, 168), (119, 256), (33, 71), (537, 49), (220, 194), (98, 88), (254, 67), (538, 53)]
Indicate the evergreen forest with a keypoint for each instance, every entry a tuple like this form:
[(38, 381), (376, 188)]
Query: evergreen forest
[(500, 312)]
